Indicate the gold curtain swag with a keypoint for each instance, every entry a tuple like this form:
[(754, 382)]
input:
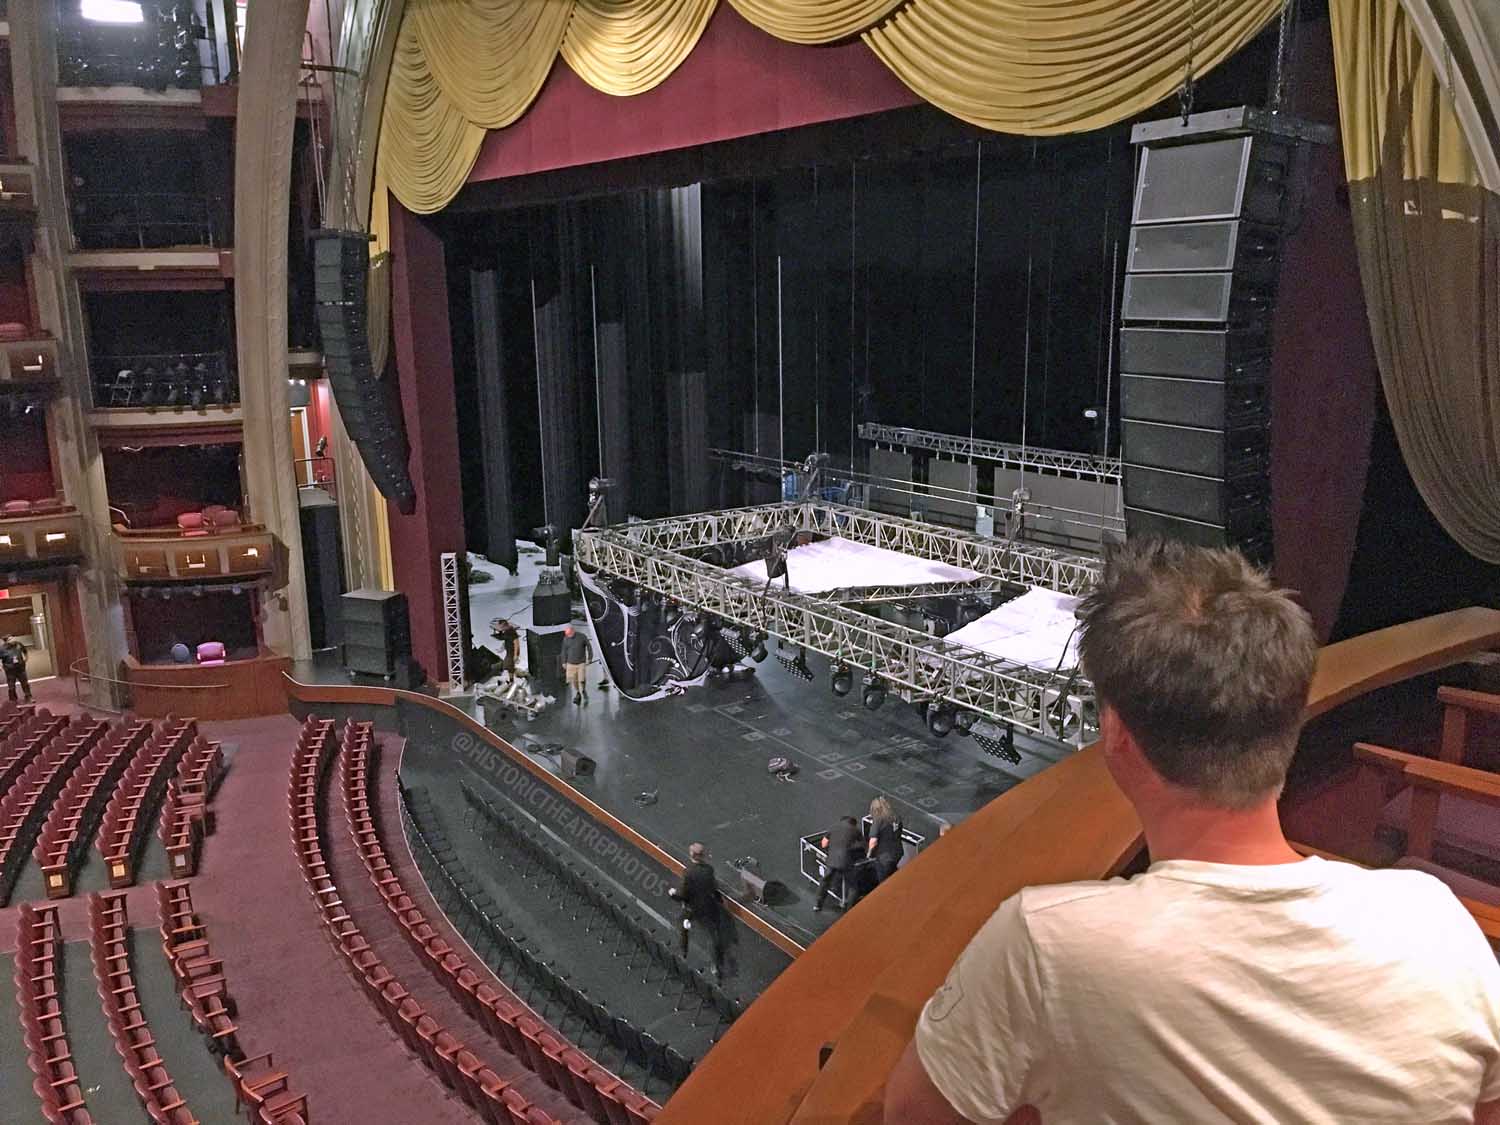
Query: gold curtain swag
[(625, 49), (1065, 66), (1032, 67), (1428, 239), (814, 22)]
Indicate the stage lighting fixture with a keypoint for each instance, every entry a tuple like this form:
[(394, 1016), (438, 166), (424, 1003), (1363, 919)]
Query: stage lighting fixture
[(963, 722), (759, 652), (1002, 747), (874, 694), (796, 665), (841, 680), (704, 630), (940, 719)]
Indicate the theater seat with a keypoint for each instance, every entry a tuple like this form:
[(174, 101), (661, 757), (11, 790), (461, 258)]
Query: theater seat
[(211, 652), (191, 524), (15, 507)]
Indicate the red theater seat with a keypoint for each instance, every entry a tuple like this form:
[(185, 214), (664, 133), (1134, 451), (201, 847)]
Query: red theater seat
[(211, 652)]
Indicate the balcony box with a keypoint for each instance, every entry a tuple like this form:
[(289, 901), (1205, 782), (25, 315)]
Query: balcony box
[(38, 538), (165, 554), (28, 357), (17, 205)]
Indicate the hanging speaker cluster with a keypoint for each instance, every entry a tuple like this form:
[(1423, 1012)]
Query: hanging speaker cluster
[(1214, 197), (368, 402)]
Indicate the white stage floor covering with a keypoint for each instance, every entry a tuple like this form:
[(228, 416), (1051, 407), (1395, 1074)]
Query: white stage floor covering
[(837, 564), (1032, 629)]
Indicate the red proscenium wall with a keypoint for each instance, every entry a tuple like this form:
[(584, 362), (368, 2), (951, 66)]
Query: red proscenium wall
[(424, 362), (738, 81)]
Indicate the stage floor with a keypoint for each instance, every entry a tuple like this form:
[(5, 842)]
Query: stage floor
[(704, 754)]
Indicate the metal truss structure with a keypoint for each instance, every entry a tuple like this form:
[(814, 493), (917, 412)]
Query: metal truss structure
[(1084, 466), (910, 663), (1022, 565), (850, 595), (453, 624)]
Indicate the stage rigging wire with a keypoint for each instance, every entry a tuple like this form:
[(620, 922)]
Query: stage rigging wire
[(974, 304)]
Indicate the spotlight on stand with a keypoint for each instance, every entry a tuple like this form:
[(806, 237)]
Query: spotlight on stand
[(841, 680), (940, 719), (874, 694)]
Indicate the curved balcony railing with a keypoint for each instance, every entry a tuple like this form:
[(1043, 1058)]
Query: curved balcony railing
[(47, 532), (860, 987), (124, 220), (163, 380), (172, 554)]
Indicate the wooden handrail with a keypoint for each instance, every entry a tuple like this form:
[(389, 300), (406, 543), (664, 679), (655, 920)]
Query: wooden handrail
[(351, 694), (1431, 773), (863, 982), (1480, 701)]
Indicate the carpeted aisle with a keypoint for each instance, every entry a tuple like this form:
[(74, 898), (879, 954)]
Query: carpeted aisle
[(295, 998)]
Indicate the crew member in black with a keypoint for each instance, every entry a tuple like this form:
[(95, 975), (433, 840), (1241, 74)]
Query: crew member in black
[(884, 844), (841, 847), (13, 660), (702, 909), (576, 655)]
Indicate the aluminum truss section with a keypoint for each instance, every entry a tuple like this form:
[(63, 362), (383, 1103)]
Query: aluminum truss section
[(453, 625), (1084, 466), (708, 529), (858, 594), (1023, 564), (916, 666)]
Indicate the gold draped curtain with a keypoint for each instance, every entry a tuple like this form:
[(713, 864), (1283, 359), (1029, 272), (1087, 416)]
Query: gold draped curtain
[(1428, 239), (463, 67)]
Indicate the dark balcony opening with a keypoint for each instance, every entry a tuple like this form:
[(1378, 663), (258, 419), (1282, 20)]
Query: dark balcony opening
[(25, 454), (151, 486), (132, 190), (150, 350), (152, 44), (163, 618), (15, 291)]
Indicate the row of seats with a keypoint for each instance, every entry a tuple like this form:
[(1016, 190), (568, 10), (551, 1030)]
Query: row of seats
[(76, 813), (185, 815), (261, 1089), (524, 1036), (24, 807), (15, 509), (603, 1095), (534, 860), (110, 950), (491, 1096), (12, 714), (128, 816), (26, 733), (216, 518), (48, 1055)]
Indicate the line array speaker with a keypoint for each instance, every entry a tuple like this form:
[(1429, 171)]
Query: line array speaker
[(369, 402), (1214, 197)]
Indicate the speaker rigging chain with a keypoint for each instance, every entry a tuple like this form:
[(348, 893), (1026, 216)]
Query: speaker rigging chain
[(1283, 53)]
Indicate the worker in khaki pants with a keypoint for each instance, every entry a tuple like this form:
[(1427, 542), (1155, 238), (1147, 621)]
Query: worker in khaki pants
[(576, 655)]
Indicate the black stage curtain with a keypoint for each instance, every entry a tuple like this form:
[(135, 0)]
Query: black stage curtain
[(965, 287), (494, 419)]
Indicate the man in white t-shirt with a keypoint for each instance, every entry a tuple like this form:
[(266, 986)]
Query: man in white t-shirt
[(1233, 981)]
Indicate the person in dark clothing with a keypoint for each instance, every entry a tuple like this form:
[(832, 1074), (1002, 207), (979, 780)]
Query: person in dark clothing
[(702, 908), (576, 655), (884, 845), (13, 659), (841, 847)]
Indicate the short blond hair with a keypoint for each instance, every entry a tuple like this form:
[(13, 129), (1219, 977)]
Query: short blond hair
[(1206, 663)]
